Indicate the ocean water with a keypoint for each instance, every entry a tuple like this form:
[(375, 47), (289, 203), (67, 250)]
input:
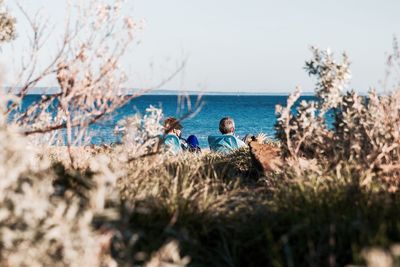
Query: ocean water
[(252, 114)]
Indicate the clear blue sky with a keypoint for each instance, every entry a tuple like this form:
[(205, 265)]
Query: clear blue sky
[(254, 45)]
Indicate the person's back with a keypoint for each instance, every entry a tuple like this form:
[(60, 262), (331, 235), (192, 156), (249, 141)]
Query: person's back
[(172, 143), (172, 132), (222, 143), (227, 142)]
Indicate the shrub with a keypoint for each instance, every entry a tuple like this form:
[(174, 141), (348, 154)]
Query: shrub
[(363, 130), (36, 227), (7, 25)]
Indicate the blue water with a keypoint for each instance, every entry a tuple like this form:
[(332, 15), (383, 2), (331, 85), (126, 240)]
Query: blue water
[(252, 114)]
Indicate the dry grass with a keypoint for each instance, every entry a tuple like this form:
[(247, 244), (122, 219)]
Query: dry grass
[(223, 213)]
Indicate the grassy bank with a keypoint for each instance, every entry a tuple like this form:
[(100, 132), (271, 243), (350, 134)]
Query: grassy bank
[(223, 212)]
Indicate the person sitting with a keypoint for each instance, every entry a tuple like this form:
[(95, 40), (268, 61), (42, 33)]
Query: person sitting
[(193, 144), (172, 134), (228, 141)]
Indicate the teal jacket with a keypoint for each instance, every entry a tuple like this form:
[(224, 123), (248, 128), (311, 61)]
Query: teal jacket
[(224, 143), (172, 143)]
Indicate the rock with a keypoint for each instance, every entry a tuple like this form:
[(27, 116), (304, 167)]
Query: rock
[(266, 157)]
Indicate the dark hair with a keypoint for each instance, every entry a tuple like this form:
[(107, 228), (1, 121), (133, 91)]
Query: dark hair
[(171, 123), (227, 125)]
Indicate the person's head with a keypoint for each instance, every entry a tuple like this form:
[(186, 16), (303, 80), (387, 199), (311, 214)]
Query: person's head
[(227, 126), (172, 126)]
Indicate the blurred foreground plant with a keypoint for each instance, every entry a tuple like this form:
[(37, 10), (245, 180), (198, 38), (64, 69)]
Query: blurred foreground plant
[(86, 68), (7, 24), (38, 228)]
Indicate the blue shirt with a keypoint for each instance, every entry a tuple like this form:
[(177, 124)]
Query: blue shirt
[(224, 143), (172, 143)]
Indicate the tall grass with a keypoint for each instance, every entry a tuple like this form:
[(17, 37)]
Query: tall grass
[(327, 220)]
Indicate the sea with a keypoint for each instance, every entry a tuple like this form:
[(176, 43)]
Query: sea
[(253, 114)]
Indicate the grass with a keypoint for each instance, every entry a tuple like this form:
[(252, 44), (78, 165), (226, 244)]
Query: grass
[(291, 227), (223, 212)]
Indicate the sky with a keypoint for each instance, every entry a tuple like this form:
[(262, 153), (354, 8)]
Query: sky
[(245, 46)]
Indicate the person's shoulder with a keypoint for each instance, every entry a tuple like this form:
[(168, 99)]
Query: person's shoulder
[(240, 142), (171, 138)]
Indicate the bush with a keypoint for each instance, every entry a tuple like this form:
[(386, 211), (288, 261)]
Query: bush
[(363, 130)]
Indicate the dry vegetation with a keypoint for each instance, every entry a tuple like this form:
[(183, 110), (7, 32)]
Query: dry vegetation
[(333, 202)]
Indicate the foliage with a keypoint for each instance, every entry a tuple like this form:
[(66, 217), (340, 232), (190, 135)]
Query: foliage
[(340, 127), (223, 216), (86, 68), (7, 25), (36, 227), (333, 203)]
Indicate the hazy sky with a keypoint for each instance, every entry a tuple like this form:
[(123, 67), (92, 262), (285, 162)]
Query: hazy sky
[(253, 45)]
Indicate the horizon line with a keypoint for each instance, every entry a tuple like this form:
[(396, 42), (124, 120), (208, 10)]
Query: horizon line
[(52, 91)]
